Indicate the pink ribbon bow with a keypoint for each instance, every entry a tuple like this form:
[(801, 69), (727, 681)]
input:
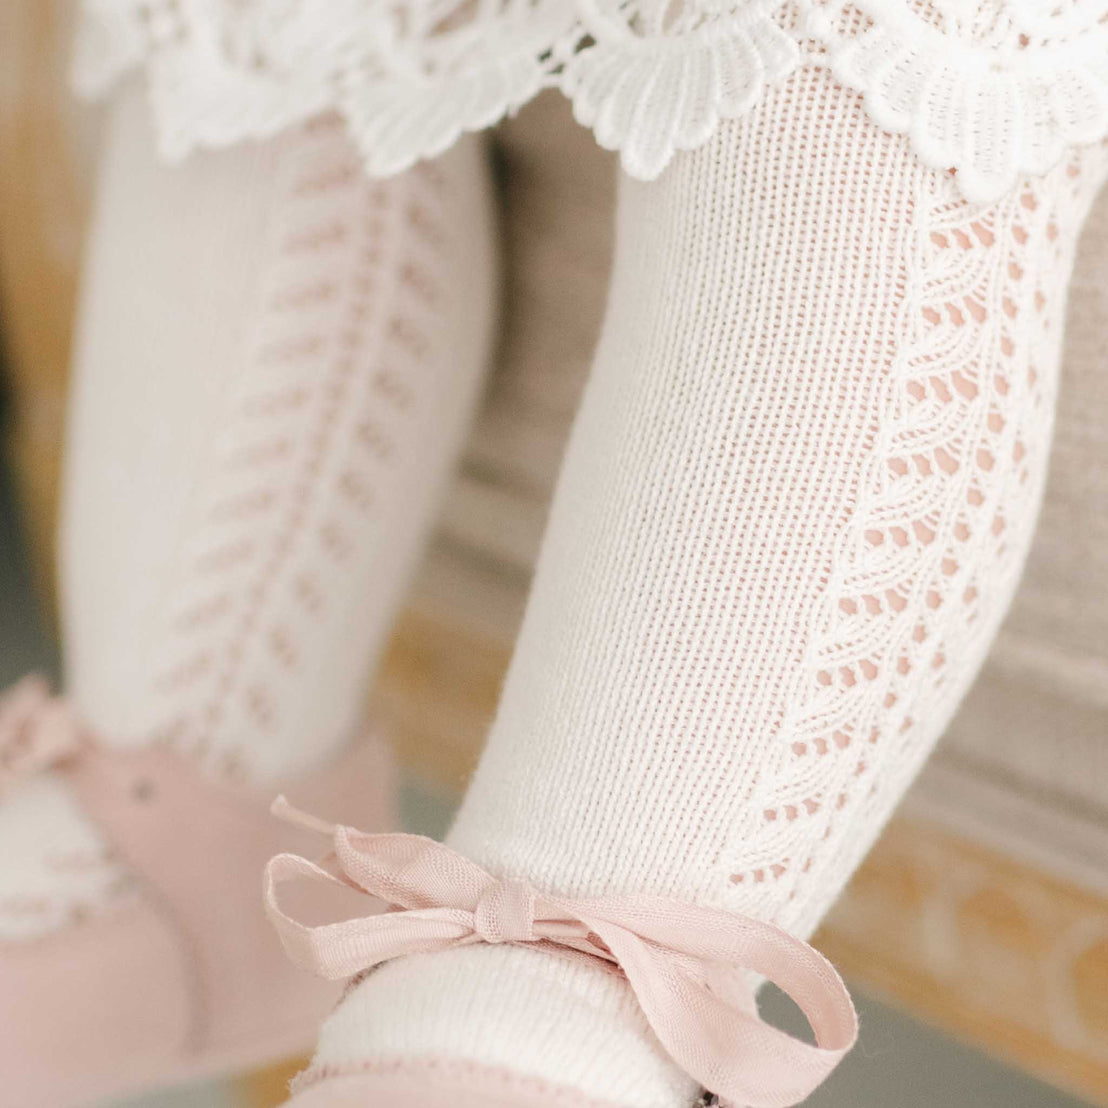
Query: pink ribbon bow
[(685, 964), (36, 731)]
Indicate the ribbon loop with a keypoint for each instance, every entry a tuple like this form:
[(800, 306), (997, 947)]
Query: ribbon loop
[(683, 963)]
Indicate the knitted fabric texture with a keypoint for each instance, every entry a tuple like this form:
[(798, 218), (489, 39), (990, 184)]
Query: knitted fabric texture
[(254, 459), (793, 511), (989, 88)]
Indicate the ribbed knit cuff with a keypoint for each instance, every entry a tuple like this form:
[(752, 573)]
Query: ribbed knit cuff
[(545, 1016)]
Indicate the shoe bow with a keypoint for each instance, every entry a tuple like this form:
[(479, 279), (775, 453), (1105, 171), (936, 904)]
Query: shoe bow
[(37, 731)]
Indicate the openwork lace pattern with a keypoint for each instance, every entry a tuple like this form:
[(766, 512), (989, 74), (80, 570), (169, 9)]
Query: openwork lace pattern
[(989, 88), (923, 574)]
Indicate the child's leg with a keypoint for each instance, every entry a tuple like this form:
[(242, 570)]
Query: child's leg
[(276, 365), (791, 516)]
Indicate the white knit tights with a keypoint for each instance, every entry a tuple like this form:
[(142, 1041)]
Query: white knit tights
[(276, 365), (793, 511)]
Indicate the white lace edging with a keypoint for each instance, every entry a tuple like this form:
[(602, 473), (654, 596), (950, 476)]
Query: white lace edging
[(992, 112), (994, 102)]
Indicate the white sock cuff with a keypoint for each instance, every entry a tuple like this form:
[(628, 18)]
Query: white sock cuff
[(471, 1004)]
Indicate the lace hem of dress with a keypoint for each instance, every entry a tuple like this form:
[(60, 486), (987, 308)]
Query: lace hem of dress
[(992, 90)]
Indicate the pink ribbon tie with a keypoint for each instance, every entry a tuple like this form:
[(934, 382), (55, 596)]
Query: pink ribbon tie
[(37, 731), (685, 964)]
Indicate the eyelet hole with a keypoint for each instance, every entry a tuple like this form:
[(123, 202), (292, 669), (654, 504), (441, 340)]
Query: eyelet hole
[(143, 790)]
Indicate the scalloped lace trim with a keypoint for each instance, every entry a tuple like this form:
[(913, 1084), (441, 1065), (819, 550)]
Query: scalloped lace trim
[(990, 89)]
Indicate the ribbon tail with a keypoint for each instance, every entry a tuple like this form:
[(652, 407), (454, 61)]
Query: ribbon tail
[(727, 1047), (283, 810)]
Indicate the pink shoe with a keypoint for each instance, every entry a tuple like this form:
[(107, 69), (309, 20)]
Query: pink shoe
[(187, 979)]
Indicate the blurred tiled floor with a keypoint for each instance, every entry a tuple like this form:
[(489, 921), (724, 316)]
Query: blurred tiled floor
[(898, 1063), (202, 1096)]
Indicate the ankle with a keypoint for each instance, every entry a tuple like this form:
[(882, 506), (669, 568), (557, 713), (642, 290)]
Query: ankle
[(541, 1015)]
